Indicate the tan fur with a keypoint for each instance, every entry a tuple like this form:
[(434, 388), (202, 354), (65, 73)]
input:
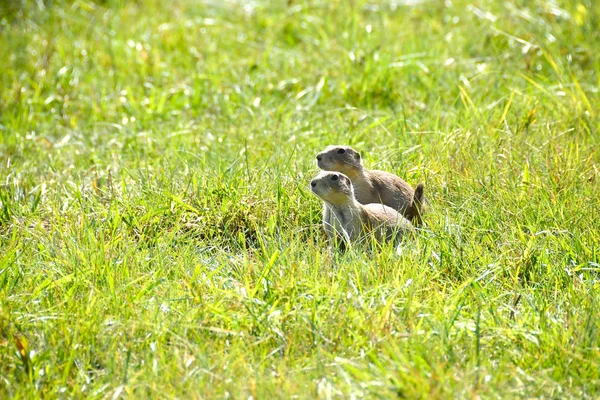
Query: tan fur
[(345, 217), (373, 186)]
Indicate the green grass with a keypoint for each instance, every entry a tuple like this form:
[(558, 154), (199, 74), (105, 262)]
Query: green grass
[(157, 237)]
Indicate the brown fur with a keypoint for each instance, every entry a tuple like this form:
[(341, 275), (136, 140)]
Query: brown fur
[(345, 217), (373, 186)]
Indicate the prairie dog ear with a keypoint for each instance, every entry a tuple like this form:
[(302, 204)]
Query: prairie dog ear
[(357, 155)]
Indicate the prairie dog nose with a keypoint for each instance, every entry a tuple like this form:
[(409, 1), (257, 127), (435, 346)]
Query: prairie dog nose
[(319, 157), (313, 183)]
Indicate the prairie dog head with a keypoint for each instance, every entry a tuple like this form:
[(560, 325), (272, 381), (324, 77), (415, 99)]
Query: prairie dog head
[(343, 159), (334, 188)]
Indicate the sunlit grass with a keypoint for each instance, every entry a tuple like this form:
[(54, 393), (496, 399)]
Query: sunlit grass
[(157, 234)]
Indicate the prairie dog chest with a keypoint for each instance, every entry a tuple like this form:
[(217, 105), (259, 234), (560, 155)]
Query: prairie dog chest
[(343, 221), (365, 193)]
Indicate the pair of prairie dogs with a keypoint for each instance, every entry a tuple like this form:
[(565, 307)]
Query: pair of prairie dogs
[(357, 201)]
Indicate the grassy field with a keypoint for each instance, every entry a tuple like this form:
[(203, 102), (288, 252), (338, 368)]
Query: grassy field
[(158, 238)]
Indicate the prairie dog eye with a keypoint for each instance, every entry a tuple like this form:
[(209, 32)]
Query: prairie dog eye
[(341, 151), (334, 178)]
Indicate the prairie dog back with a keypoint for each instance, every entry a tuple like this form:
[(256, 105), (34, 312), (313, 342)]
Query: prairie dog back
[(384, 187), (384, 221)]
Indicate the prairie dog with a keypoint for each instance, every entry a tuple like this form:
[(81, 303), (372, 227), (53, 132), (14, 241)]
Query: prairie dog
[(373, 186), (343, 215)]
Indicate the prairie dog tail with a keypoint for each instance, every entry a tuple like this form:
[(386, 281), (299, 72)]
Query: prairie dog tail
[(417, 205)]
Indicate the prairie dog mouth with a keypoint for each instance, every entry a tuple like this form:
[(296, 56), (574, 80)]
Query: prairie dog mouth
[(320, 191), (323, 163), (315, 187)]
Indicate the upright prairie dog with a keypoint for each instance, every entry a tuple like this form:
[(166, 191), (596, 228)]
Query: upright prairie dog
[(373, 186), (343, 215)]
